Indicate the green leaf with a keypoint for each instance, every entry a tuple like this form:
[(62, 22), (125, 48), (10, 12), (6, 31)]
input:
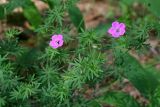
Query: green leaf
[(10, 47), (27, 59), (102, 29), (32, 14), (24, 91), (2, 102), (7, 8), (155, 99), (153, 6), (144, 80), (2, 12), (10, 33), (93, 103), (128, 2), (76, 17), (52, 3), (12, 4), (118, 99)]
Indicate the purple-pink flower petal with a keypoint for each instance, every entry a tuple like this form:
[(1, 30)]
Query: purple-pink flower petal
[(54, 37), (122, 31), (53, 44), (122, 26), (111, 30), (60, 36), (56, 41), (115, 24), (117, 29), (116, 35)]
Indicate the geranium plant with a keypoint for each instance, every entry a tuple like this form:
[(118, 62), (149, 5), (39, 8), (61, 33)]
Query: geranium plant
[(56, 61)]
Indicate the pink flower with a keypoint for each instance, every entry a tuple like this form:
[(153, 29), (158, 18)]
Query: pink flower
[(56, 41), (117, 29)]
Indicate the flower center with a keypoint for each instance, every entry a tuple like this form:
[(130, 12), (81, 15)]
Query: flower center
[(117, 30), (58, 42)]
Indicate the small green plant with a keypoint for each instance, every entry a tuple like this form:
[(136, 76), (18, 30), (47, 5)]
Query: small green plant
[(61, 66)]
